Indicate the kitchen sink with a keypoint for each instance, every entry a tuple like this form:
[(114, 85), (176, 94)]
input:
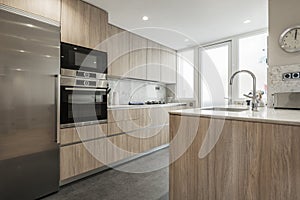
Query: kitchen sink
[(226, 109)]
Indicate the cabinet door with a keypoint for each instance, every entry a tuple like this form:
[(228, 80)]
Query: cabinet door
[(118, 51), (80, 158), (83, 24), (78, 134), (138, 57), (117, 148), (46, 8), (168, 65), (153, 61)]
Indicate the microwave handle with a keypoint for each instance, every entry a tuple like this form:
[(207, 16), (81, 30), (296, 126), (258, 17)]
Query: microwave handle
[(85, 89)]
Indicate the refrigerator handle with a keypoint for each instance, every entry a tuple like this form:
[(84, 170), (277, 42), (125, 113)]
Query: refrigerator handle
[(57, 106)]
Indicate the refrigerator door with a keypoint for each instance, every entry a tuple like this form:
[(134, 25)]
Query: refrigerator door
[(29, 153)]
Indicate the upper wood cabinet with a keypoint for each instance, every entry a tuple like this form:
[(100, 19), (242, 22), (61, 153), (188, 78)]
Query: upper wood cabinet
[(118, 51), (168, 65), (138, 57), (153, 61), (46, 8), (83, 24)]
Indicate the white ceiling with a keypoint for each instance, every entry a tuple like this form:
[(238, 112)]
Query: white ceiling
[(171, 22)]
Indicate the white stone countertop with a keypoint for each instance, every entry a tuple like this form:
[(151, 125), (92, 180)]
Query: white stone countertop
[(266, 115), (113, 107)]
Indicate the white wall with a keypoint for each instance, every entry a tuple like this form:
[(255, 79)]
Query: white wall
[(282, 15)]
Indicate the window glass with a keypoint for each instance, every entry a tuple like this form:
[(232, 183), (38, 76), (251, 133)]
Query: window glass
[(253, 57), (185, 75), (214, 62)]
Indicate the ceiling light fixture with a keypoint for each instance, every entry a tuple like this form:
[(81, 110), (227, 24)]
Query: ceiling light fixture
[(21, 51), (29, 25), (247, 21), (145, 18)]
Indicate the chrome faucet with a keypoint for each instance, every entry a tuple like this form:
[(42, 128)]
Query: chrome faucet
[(254, 101)]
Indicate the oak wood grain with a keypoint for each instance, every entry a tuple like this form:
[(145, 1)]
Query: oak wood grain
[(78, 134), (46, 8), (250, 160), (83, 24)]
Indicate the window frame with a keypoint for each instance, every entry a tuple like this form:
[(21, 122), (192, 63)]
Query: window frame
[(233, 91)]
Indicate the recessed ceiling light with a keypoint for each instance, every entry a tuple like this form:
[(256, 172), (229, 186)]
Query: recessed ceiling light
[(48, 56), (21, 51), (247, 21), (145, 18), (29, 25), (18, 69)]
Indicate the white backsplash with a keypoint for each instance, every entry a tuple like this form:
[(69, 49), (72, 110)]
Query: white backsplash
[(276, 84), (136, 91)]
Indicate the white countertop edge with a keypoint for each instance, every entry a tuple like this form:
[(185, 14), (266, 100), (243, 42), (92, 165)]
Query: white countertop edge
[(114, 107), (265, 115)]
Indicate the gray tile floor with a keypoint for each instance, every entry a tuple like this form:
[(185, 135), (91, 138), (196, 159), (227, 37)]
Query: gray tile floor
[(117, 184)]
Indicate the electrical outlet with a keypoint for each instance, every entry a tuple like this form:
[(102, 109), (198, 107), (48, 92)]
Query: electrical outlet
[(291, 76)]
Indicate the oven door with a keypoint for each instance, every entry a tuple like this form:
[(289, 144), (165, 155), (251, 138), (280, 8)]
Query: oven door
[(83, 59), (83, 105)]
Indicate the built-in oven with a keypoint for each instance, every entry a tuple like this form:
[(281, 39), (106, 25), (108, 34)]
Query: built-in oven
[(80, 60), (83, 101)]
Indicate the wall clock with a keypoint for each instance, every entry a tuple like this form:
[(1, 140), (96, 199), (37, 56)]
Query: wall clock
[(290, 39)]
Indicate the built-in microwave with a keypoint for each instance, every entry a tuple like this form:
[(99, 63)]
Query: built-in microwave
[(81, 59)]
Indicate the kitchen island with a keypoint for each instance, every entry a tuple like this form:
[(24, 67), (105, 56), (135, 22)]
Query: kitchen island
[(234, 155)]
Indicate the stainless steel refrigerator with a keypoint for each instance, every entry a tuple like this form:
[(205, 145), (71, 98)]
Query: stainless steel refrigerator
[(29, 65)]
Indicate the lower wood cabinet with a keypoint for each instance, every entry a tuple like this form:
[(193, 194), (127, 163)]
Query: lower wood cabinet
[(80, 158), (87, 148), (83, 133)]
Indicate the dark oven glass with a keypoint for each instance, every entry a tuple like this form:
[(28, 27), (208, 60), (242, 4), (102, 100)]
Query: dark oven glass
[(80, 58), (83, 104)]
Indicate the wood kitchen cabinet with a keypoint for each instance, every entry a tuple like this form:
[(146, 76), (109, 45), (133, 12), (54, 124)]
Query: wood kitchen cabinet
[(249, 160), (82, 133), (118, 51), (168, 65), (83, 24), (153, 61), (80, 158), (46, 8), (138, 57)]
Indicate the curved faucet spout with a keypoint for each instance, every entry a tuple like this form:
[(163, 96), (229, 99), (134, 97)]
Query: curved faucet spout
[(254, 102)]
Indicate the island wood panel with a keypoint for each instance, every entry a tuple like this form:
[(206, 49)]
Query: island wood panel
[(153, 61), (118, 49), (83, 24), (250, 161), (46, 8), (138, 57), (82, 133)]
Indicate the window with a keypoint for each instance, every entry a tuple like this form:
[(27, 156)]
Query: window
[(185, 74), (253, 57), (214, 70)]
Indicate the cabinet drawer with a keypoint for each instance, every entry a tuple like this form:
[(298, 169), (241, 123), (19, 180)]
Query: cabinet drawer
[(122, 127), (77, 134), (122, 115), (80, 158)]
